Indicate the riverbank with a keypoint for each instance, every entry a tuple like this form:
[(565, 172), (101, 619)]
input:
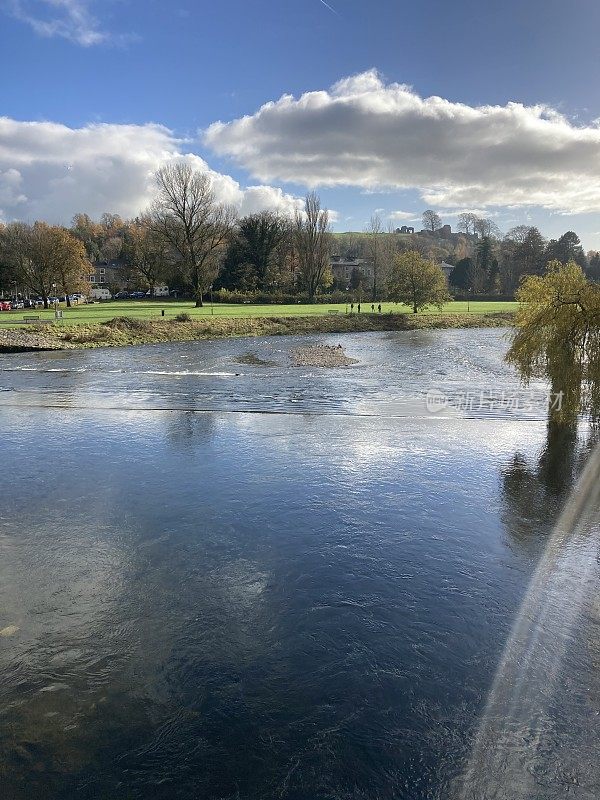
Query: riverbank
[(24, 341), (123, 331)]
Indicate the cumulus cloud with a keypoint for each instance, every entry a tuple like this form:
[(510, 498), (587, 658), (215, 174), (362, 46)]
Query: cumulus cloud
[(50, 171), (366, 133)]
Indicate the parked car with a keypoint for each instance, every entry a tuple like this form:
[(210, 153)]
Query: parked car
[(17, 304), (28, 303), (137, 295), (122, 296), (5, 305)]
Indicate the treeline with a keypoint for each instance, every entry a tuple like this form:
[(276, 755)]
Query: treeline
[(497, 265), (195, 244), (186, 239), (485, 260)]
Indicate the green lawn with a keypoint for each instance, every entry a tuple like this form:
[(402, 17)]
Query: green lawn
[(151, 309)]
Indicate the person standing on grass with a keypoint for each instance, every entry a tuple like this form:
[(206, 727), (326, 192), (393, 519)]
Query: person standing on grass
[(359, 308), (352, 308), (379, 308), (372, 308)]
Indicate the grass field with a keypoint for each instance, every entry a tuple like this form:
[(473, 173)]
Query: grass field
[(147, 310)]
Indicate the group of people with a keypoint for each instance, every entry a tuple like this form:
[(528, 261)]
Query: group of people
[(372, 308)]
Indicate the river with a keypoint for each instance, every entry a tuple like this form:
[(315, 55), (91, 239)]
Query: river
[(225, 577)]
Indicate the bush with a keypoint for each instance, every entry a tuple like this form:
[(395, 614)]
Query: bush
[(258, 298), (183, 317), (277, 298), (127, 324)]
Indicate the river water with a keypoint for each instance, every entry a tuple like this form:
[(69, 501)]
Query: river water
[(225, 577)]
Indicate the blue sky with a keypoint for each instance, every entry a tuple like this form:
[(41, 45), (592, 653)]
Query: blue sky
[(186, 65)]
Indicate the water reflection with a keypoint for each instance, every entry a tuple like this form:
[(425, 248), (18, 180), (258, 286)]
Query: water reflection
[(538, 735), (534, 490), (255, 605), (188, 429)]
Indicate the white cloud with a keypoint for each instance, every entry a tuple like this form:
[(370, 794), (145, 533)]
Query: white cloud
[(68, 19), (402, 215), (365, 133), (50, 171)]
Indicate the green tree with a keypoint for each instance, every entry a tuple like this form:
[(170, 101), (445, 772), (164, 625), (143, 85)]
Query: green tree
[(417, 282), (593, 270), (259, 239), (236, 273), (567, 248), (557, 337), (463, 276)]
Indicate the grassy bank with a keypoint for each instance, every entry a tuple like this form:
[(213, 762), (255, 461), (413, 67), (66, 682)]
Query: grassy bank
[(152, 310), (121, 331)]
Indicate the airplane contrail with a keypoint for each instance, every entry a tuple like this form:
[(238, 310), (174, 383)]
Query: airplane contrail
[(329, 7)]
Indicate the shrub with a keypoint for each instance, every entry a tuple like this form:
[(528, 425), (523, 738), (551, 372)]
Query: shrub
[(183, 317), (127, 324)]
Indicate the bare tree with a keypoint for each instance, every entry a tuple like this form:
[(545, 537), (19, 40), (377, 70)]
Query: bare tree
[(485, 227), (431, 221), (518, 234), (312, 243), (375, 245), (466, 223), (145, 253), (192, 224)]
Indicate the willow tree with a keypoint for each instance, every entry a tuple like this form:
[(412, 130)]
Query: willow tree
[(192, 224), (312, 242), (417, 282), (557, 338)]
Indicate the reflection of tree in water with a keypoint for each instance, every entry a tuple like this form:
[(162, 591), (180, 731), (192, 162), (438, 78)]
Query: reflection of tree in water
[(188, 428), (557, 338), (535, 492)]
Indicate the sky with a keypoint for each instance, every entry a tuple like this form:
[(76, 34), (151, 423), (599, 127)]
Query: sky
[(385, 107)]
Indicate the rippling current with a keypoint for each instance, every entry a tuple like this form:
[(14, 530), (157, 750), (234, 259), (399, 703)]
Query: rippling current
[(225, 577)]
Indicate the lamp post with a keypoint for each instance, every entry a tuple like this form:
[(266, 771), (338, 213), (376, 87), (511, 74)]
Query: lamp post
[(212, 309), (15, 285), (469, 291)]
